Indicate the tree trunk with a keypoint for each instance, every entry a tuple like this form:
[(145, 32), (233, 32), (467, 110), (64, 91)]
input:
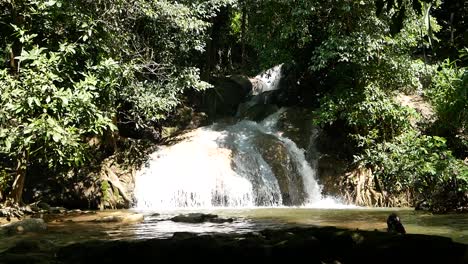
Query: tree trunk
[(214, 48), (206, 71), (16, 195), (17, 46), (243, 33)]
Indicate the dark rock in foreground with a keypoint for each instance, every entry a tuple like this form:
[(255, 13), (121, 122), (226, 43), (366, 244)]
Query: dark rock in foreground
[(311, 245), (26, 225), (200, 218)]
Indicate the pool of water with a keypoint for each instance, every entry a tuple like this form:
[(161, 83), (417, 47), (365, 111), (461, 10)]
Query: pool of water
[(72, 230)]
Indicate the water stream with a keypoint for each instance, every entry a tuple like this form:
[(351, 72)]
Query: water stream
[(244, 164)]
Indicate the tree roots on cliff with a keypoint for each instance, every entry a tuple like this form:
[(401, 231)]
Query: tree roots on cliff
[(361, 187)]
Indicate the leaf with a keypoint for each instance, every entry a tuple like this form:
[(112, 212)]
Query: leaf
[(56, 137), (390, 4), (400, 3), (64, 100), (417, 6), (7, 145), (427, 21), (113, 127), (50, 3)]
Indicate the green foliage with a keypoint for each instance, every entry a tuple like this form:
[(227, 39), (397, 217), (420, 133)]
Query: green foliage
[(105, 190), (5, 181), (449, 94), (364, 59), (80, 68), (371, 114), (45, 115), (416, 162)]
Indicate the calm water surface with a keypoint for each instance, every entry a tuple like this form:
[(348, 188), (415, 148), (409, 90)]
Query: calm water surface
[(454, 226)]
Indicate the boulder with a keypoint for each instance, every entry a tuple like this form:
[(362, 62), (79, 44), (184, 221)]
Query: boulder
[(196, 218), (57, 210), (26, 225), (275, 153), (256, 112), (225, 96), (297, 124)]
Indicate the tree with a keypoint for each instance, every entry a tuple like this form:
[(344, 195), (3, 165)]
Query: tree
[(74, 70)]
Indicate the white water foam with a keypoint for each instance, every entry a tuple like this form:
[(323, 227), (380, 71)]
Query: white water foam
[(268, 80), (193, 173), (222, 166)]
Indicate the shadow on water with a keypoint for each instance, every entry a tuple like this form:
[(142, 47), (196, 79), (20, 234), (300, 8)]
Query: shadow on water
[(69, 230)]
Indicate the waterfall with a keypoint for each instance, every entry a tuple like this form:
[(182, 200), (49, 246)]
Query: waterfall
[(245, 164), (193, 173), (268, 80), (222, 165)]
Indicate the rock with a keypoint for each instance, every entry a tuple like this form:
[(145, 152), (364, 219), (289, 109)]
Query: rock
[(24, 246), (224, 98), (276, 154), (422, 206), (26, 225), (57, 210), (43, 206), (256, 112), (183, 235), (221, 220), (22, 258), (243, 82), (124, 219), (297, 124), (394, 224), (196, 218), (317, 245)]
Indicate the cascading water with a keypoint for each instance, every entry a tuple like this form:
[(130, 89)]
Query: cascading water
[(268, 80), (245, 164), (223, 165), (194, 173)]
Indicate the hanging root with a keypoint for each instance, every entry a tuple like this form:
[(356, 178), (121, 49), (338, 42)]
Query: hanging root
[(361, 187)]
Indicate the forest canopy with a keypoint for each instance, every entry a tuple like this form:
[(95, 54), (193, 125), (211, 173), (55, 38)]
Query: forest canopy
[(76, 71)]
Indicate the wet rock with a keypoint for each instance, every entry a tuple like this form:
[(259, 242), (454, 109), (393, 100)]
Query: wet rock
[(183, 235), (297, 124), (394, 224), (124, 219), (226, 95), (316, 245), (256, 112), (22, 258), (26, 225), (221, 220), (25, 246), (57, 210), (43, 206), (276, 154), (200, 218)]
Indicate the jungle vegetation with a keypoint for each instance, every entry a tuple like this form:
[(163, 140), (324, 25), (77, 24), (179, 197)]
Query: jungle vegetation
[(77, 72)]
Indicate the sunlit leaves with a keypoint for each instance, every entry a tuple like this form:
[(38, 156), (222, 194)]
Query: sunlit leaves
[(415, 162), (44, 115)]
